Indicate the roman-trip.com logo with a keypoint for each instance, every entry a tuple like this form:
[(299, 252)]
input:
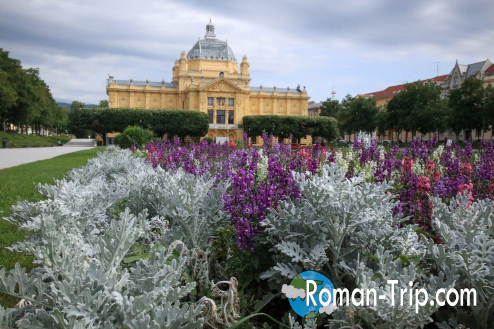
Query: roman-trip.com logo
[(311, 294)]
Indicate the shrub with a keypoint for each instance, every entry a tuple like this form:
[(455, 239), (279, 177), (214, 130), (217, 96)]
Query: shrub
[(282, 126), (133, 135), (172, 122), (208, 139)]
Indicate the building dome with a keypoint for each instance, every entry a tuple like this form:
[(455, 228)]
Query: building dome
[(211, 48)]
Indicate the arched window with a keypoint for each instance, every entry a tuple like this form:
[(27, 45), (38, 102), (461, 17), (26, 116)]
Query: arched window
[(222, 74)]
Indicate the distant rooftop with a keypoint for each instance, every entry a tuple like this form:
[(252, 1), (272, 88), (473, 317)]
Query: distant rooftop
[(143, 83), (393, 90), (275, 89), (314, 106), (211, 48)]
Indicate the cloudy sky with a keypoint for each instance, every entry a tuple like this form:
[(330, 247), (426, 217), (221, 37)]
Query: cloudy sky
[(355, 46)]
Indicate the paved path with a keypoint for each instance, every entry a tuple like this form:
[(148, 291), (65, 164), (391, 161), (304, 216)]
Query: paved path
[(18, 156)]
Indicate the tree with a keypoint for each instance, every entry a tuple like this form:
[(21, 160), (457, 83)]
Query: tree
[(418, 107), (323, 127), (489, 106), (467, 107), (382, 121), (77, 105), (357, 114), (25, 99), (103, 103), (330, 108), (18, 92)]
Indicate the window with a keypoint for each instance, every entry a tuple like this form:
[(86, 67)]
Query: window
[(210, 101), (231, 102), (210, 113), (222, 74), (231, 116), (220, 100), (220, 116), (253, 140)]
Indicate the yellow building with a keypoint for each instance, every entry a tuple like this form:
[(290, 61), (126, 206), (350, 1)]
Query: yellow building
[(208, 79)]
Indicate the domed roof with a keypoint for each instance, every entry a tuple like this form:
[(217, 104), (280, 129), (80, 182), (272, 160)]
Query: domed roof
[(211, 48)]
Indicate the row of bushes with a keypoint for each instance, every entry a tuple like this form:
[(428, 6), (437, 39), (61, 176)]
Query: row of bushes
[(172, 122), (196, 124), (282, 126)]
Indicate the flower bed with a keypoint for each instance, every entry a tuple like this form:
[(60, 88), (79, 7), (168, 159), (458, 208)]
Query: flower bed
[(148, 239), (261, 178)]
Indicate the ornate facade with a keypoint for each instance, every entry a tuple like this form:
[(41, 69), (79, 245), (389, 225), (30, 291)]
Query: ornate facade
[(207, 79)]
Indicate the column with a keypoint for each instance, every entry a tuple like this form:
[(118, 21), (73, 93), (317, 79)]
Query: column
[(132, 103), (146, 100), (162, 100)]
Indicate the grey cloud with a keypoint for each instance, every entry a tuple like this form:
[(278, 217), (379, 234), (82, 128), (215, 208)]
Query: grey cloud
[(357, 46)]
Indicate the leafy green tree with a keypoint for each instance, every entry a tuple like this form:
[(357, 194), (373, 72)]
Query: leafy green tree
[(77, 105), (467, 107), (103, 103), (25, 99), (357, 114), (489, 106), (323, 127), (418, 107), (382, 121), (330, 108), (18, 90), (8, 95)]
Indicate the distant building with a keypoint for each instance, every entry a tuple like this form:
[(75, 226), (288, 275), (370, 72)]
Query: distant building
[(207, 79), (383, 97), (482, 70), (314, 109)]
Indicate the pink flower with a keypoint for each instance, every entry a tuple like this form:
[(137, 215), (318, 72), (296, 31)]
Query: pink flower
[(152, 149), (491, 188), (430, 165), (467, 187), (436, 175), (424, 185), (467, 168), (463, 187), (407, 164)]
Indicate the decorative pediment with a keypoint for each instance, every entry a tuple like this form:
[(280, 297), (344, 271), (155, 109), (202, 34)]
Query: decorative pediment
[(221, 84)]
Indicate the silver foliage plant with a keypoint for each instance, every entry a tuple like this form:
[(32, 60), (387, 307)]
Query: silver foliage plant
[(345, 229), (86, 228), (467, 234), (92, 289)]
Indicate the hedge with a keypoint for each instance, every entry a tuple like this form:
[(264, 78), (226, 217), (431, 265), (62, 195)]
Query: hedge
[(282, 126), (172, 122)]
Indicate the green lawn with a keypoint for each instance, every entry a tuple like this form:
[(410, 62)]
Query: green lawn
[(18, 184), (22, 140)]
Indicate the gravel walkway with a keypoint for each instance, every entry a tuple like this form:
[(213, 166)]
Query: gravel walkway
[(18, 156)]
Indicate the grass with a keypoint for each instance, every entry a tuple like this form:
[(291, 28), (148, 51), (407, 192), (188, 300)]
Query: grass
[(18, 184), (16, 140)]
